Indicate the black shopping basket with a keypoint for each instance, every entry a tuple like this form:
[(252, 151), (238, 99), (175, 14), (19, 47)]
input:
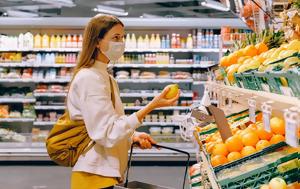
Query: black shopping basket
[(141, 185)]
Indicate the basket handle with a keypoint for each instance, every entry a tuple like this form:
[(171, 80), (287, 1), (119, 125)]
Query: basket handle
[(159, 146)]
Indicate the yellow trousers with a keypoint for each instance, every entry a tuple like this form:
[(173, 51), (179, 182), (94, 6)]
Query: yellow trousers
[(83, 180)]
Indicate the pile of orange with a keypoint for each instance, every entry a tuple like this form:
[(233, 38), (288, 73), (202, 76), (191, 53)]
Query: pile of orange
[(244, 142)]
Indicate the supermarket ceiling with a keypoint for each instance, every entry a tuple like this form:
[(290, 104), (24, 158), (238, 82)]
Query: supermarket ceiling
[(129, 8)]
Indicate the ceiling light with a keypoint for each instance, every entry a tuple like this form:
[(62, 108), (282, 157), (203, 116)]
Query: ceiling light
[(64, 3), (111, 10), (19, 13), (214, 5)]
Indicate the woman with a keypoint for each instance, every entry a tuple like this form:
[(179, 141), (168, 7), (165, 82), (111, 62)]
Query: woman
[(94, 98)]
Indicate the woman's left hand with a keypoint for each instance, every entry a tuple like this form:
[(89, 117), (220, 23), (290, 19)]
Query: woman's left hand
[(144, 140)]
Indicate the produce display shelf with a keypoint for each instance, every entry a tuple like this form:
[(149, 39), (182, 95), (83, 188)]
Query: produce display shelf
[(154, 80), (16, 100), (164, 108), (255, 155), (9, 120)]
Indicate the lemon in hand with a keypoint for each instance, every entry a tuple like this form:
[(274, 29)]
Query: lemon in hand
[(174, 88)]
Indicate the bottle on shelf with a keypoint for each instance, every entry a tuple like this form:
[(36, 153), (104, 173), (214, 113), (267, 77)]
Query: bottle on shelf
[(133, 41), (168, 42), (195, 40), (140, 43), (163, 42), (157, 42), (173, 41), (38, 41), (63, 41), (172, 60), (189, 42), (152, 41), (21, 41), (80, 41), (74, 41), (127, 41), (28, 40), (45, 41), (199, 39), (53, 41), (58, 41), (69, 41), (147, 42)]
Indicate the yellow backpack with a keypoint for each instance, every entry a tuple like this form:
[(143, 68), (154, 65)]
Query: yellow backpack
[(68, 139)]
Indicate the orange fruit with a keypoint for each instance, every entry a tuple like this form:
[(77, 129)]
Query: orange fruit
[(261, 47), (250, 139), (232, 156), (218, 160), (220, 149), (252, 126), (239, 53), (248, 150), (209, 147), (250, 50), (276, 139), (263, 134), (277, 125), (234, 144), (232, 59), (259, 117), (224, 62), (262, 144), (235, 130)]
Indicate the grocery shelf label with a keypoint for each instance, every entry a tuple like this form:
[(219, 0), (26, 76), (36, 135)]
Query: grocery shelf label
[(252, 108), (291, 128), (286, 91), (221, 122), (267, 111)]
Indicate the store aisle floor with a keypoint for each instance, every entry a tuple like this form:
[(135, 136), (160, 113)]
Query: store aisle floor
[(54, 177)]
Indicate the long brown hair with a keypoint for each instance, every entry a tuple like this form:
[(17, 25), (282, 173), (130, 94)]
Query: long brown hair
[(95, 30)]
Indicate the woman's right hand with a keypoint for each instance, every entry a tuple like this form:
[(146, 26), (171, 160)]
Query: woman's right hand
[(157, 102), (161, 100)]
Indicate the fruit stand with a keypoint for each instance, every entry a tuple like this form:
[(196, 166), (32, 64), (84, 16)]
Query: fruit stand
[(261, 73)]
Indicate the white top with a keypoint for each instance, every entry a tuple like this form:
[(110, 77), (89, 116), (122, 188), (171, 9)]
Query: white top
[(89, 99)]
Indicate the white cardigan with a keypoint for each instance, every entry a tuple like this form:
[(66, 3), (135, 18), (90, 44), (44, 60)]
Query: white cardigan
[(89, 99)]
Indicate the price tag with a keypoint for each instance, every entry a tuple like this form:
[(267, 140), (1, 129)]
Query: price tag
[(267, 111), (265, 87), (291, 128), (287, 91), (252, 108)]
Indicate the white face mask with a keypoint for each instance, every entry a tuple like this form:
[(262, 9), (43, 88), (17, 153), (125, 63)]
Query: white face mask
[(115, 50)]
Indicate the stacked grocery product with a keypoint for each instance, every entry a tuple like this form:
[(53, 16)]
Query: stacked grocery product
[(137, 74), (251, 157), (14, 111)]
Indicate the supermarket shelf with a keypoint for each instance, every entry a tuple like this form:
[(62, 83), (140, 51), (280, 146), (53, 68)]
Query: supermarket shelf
[(208, 50), (154, 80), (240, 95), (16, 100), (48, 107), (164, 108), (26, 64), (9, 120), (43, 123), (20, 80), (160, 124), (199, 82), (142, 65), (50, 94), (189, 94)]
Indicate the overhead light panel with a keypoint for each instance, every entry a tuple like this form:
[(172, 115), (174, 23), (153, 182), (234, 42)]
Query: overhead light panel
[(19, 13), (62, 3), (214, 5), (110, 10)]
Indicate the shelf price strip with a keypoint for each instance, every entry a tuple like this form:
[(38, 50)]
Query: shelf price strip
[(291, 128)]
